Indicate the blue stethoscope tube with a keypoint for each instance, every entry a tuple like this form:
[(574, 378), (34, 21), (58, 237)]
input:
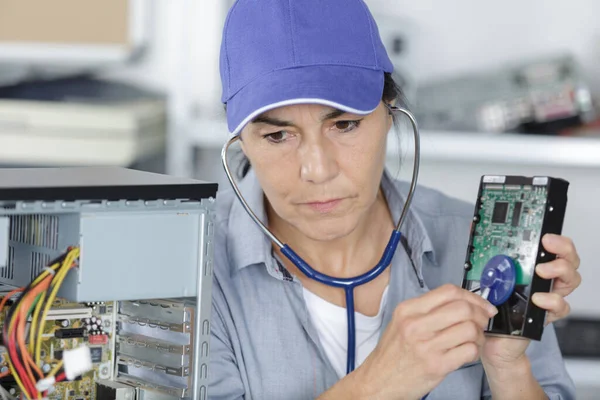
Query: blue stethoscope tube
[(348, 284)]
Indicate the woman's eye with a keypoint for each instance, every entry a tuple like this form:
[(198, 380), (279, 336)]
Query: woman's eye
[(276, 137), (347, 126)]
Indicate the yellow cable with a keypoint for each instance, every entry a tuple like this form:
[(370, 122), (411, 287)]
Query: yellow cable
[(44, 273), (36, 339), (61, 274), (14, 371), (38, 335), (34, 321), (16, 376), (60, 277), (10, 365), (55, 370)]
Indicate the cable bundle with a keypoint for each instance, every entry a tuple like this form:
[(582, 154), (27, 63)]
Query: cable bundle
[(24, 357)]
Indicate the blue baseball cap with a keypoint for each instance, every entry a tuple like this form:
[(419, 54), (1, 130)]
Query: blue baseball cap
[(282, 52)]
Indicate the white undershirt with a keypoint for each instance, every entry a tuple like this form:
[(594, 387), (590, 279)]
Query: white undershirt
[(331, 323)]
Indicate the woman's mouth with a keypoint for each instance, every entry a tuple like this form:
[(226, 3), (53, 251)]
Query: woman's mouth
[(324, 206)]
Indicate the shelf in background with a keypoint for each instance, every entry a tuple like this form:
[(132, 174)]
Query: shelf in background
[(461, 146)]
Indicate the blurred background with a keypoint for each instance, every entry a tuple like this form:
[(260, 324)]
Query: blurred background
[(506, 87)]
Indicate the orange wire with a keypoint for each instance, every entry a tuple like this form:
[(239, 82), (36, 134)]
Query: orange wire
[(20, 334), (8, 296), (20, 328), (2, 304)]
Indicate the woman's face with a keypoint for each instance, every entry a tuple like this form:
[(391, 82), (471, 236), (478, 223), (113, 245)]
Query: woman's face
[(320, 168)]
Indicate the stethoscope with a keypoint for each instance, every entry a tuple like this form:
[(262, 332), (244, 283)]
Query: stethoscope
[(348, 284)]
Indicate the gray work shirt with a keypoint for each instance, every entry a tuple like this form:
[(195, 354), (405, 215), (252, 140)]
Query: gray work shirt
[(263, 344)]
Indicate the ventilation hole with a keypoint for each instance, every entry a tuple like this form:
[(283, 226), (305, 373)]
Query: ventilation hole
[(8, 272), (35, 230), (38, 262)]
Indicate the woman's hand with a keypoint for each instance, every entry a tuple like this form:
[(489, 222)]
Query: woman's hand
[(499, 353), (434, 334), (428, 338)]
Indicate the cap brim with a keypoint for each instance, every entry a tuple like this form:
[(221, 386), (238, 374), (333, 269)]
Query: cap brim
[(355, 90)]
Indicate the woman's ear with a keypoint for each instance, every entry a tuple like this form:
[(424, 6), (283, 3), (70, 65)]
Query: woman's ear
[(241, 140), (390, 116), (391, 103)]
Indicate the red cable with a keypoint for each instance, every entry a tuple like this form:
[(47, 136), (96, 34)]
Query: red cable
[(61, 377), (16, 363)]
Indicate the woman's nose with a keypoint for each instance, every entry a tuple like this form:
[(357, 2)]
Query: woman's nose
[(318, 163)]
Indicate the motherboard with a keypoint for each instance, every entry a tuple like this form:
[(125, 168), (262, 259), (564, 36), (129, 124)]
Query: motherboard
[(67, 326)]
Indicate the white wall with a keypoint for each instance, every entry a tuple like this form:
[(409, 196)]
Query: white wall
[(184, 53), (461, 35), (448, 37)]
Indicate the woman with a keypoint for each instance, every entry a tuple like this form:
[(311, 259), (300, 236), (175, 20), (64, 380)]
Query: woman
[(307, 87)]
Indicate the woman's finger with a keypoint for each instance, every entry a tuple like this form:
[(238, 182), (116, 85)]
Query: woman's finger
[(459, 334), (564, 289), (563, 247), (553, 303), (552, 317), (451, 314), (438, 297), (560, 270)]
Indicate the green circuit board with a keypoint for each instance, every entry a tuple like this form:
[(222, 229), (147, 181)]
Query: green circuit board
[(510, 222), (69, 326)]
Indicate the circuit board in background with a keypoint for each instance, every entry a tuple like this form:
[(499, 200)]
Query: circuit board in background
[(70, 325), (96, 325), (511, 218)]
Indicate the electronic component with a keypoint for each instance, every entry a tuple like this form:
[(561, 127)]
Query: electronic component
[(110, 390), (85, 234), (77, 361), (57, 340), (512, 214), (128, 224), (98, 339), (500, 212), (154, 345), (70, 333), (96, 354), (53, 347), (530, 97)]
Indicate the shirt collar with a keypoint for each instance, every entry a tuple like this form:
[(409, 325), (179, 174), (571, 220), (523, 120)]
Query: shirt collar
[(249, 245), (247, 242), (413, 227)]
